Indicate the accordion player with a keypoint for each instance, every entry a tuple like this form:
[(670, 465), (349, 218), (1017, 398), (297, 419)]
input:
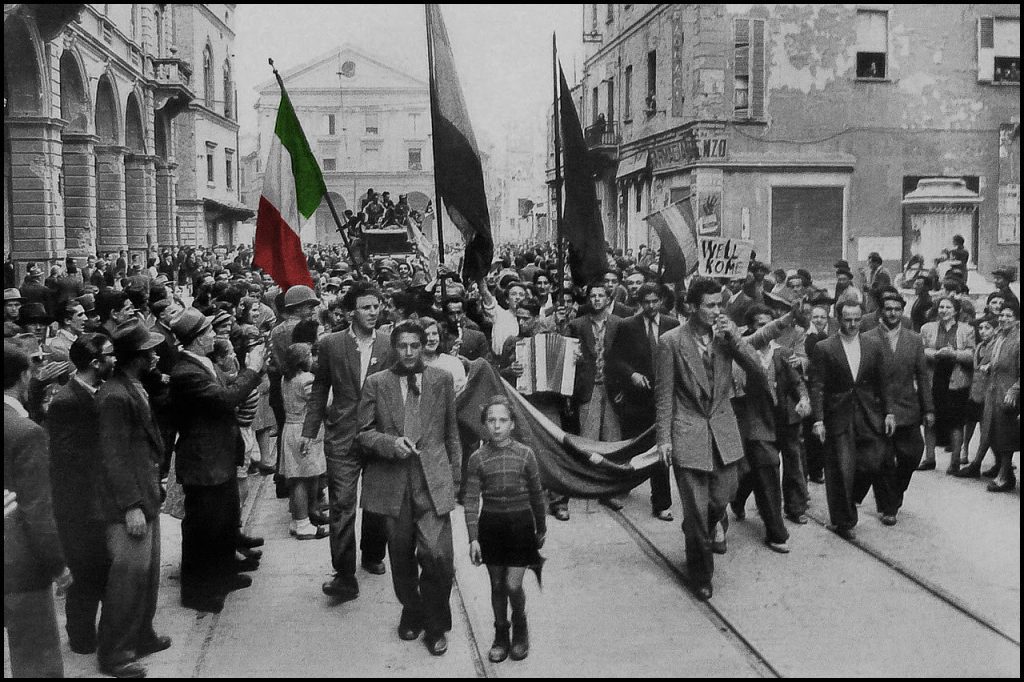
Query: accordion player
[(549, 364)]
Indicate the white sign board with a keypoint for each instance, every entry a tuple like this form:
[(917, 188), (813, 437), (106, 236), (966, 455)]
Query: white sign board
[(723, 257)]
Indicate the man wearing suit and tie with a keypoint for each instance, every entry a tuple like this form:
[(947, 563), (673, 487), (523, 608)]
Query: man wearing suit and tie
[(631, 378), (408, 423), (907, 370), (697, 428), (849, 396), (346, 360)]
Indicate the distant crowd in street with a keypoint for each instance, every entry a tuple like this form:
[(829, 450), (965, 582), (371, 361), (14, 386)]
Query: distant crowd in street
[(141, 383)]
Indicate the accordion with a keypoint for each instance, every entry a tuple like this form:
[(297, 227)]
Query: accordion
[(549, 364)]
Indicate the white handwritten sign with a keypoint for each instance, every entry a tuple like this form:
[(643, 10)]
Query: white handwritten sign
[(723, 257)]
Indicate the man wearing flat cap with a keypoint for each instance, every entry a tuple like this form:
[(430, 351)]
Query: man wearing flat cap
[(1002, 277), (131, 447), (209, 449), (13, 300)]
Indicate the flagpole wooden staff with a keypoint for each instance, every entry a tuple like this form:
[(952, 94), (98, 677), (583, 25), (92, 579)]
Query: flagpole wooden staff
[(327, 195), (433, 141), (557, 125)]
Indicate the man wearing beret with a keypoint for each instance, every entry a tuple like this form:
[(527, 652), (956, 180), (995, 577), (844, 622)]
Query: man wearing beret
[(209, 449), (131, 449)]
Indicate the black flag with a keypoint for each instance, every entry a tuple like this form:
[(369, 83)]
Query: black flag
[(458, 174), (581, 222)]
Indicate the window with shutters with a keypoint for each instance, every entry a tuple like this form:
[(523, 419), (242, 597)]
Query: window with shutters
[(332, 125), (611, 100), (748, 69), (999, 50), (229, 168), (415, 158), (872, 43), (594, 100), (627, 92), (330, 164), (372, 123)]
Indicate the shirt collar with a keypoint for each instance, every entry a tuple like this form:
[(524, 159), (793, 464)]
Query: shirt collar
[(89, 388), (15, 405), (849, 340), (352, 333)]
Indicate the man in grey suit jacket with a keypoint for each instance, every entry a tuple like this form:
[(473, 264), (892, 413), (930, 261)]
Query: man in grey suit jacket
[(346, 360), (411, 479), (697, 428)]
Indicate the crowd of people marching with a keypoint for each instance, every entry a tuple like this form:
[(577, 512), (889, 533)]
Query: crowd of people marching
[(145, 382)]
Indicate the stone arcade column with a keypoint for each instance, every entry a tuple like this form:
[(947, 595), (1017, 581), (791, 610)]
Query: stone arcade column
[(80, 194), (166, 232), (111, 221), (36, 209), (140, 203)]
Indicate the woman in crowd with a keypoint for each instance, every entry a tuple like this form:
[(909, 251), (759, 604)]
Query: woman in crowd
[(949, 347), (301, 469), (433, 356), (1000, 422), (976, 398)]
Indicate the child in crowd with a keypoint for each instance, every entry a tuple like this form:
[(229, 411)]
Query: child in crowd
[(300, 468), (510, 528)]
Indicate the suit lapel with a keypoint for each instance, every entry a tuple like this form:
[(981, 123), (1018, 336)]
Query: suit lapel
[(691, 358), (393, 397), (840, 352)]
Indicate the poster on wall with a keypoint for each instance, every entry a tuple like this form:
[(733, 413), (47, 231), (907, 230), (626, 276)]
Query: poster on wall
[(709, 213), (723, 257)]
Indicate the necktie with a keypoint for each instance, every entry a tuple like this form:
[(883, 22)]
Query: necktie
[(709, 363), (652, 340), (412, 427)]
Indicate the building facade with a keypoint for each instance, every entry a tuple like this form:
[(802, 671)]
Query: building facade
[(368, 123), (99, 127), (209, 207), (810, 128)]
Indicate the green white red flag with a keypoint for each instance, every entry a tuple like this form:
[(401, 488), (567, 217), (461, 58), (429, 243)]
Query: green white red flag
[(293, 188)]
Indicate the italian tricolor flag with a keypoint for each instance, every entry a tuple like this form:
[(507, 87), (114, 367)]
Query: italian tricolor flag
[(293, 188)]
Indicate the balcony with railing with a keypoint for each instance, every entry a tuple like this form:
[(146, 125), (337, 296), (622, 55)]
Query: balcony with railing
[(603, 136), (173, 78)]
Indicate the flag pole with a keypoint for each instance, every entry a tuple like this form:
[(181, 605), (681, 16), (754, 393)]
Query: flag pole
[(327, 195), (433, 146), (557, 125)]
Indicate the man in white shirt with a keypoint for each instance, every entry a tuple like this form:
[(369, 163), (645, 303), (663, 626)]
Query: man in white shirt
[(850, 393)]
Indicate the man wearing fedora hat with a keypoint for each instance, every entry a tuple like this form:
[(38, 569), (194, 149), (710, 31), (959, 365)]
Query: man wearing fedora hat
[(34, 319), (209, 449), (13, 301), (131, 448)]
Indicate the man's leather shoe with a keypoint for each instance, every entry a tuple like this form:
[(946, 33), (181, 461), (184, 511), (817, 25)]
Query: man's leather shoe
[(718, 546), (561, 514), (374, 567), (436, 644), (780, 547), (844, 533), (703, 592), (1007, 487), (611, 503), (664, 515), (247, 541), (799, 519), (124, 670), (409, 632), (235, 581), (245, 565), (80, 647), (926, 465), (953, 468), (991, 472), (158, 643), (254, 554), (208, 602), (319, 519), (341, 589), (888, 519)]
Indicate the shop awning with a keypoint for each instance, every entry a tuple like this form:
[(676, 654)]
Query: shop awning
[(227, 208), (632, 165)]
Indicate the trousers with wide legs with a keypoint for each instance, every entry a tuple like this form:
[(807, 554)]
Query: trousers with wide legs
[(704, 496), (422, 557), (762, 479), (343, 471)]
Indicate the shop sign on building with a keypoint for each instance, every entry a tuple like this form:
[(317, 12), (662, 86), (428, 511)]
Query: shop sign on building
[(687, 149)]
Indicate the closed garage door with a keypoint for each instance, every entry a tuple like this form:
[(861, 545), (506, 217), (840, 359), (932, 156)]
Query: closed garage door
[(807, 228)]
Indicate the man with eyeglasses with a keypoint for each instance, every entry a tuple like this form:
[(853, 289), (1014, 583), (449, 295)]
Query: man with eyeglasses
[(631, 374)]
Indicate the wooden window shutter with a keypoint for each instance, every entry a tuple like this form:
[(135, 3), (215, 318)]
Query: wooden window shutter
[(757, 68), (742, 67), (986, 48)]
